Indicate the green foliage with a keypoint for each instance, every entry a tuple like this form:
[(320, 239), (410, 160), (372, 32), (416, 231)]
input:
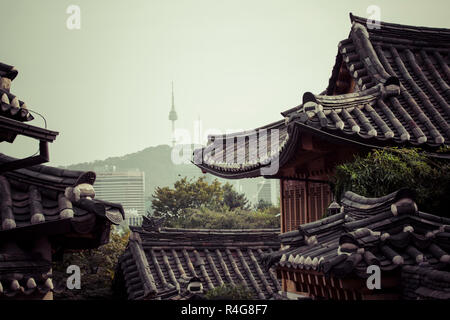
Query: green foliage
[(174, 203), (186, 194), (262, 205), (198, 204), (444, 149), (97, 269), (230, 292), (233, 199), (384, 171), (238, 219)]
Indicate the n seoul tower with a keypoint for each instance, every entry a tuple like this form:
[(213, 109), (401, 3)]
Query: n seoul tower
[(173, 117)]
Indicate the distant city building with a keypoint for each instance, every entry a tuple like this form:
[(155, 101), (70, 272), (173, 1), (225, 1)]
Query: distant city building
[(135, 221), (125, 187), (133, 218), (268, 190), (237, 185)]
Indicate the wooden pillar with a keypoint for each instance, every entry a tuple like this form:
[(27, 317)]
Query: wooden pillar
[(286, 206), (282, 210), (296, 205), (307, 196), (291, 207)]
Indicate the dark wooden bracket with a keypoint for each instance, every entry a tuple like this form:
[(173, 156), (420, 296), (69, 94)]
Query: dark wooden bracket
[(42, 157)]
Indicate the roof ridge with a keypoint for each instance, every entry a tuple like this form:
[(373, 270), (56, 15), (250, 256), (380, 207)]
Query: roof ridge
[(367, 54), (59, 177), (409, 28), (8, 71), (357, 96), (12, 107), (396, 195), (226, 231), (245, 133)]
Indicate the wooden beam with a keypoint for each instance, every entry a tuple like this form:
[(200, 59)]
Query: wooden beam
[(282, 209), (42, 157)]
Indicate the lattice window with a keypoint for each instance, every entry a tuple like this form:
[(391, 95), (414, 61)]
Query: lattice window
[(303, 202)]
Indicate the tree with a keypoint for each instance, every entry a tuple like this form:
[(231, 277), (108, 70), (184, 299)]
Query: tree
[(171, 203), (233, 199), (186, 194), (387, 170), (97, 270), (225, 219), (262, 205), (198, 204)]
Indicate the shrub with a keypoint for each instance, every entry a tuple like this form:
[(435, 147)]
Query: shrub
[(262, 205), (237, 219), (97, 268), (230, 292), (172, 203), (384, 171)]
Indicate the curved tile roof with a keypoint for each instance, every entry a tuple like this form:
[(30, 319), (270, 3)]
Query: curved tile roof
[(7, 71), (388, 231), (23, 274), (401, 76), (158, 259), (246, 154), (417, 110), (42, 200), (10, 106), (33, 197), (425, 283)]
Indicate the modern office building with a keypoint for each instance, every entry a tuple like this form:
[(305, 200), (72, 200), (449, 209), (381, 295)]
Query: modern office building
[(125, 187), (133, 218), (268, 190)]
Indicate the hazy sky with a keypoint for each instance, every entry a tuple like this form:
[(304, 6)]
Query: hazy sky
[(236, 64)]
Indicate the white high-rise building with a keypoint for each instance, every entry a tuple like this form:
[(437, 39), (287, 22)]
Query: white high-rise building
[(269, 190), (127, 188)]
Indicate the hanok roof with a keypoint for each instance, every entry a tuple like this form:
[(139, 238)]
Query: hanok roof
[(11, 106), (425, 283), (389, 86), (37, 196), (233, 155), (14, 112), (45, 201), (387, 231), (23, 273), (156, 259)]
